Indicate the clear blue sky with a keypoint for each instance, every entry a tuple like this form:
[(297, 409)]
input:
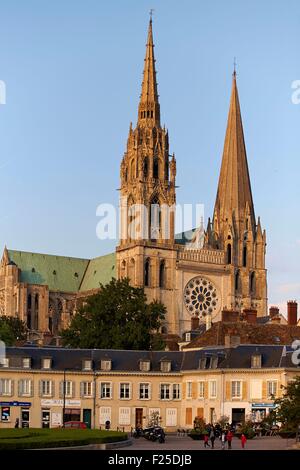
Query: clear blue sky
[(73, 72)]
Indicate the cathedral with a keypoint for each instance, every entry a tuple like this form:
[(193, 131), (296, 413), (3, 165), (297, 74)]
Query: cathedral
[(196, 278)]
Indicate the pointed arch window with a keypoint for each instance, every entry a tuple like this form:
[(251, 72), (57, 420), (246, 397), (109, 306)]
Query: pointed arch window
[(155, 168), (147, 273), (162, 275), (229, 254), (29, 302), (36, 312), (237, 282), (252, 283), (244, 256), (154, 219), (146, 167)]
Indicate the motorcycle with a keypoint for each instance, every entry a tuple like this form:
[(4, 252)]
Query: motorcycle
[(138, 432), (157, 434)]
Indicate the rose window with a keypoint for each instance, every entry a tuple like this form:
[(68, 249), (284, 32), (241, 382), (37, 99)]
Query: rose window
[(201, 297)]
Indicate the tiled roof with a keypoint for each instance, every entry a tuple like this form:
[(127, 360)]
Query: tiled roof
[(238, 357), (248, 333)]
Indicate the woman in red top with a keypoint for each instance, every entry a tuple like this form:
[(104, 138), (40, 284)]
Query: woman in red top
[(243, 441), (229, 438)]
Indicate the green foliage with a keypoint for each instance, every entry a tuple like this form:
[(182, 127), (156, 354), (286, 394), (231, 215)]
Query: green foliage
[(117, 317), (247, 429), (199, 426), (288, 407), (11, 439), (12, 329)]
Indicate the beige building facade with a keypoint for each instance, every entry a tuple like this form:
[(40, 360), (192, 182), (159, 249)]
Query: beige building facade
[(130, 387)]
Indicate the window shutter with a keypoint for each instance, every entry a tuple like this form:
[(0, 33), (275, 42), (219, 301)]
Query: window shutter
[(228, 391), (183, 390), (150, 391), (264, 390), (73, 389), (194, 390), (206, 390), (41, 388), (200, 413), (52, 388), (61, 389), (81, 389), (12, 386), (244, 385), (31, 388), (20, 387), (1, 385)]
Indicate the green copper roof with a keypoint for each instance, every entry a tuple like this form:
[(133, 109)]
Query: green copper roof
[(60, 273), (100, 271)]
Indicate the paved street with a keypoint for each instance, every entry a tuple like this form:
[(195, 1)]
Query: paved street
[(186, 443)]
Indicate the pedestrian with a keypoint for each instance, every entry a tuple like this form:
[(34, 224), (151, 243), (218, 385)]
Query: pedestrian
[(229, 438), (223, 440), (243, 440), (206, 444), (212, 437), (17, 423)]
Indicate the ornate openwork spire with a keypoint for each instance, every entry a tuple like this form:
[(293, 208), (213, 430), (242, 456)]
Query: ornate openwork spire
[(149, 111)]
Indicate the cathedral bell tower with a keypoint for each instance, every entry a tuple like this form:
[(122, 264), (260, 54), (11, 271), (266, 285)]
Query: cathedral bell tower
[(234, 228), (146, 252)]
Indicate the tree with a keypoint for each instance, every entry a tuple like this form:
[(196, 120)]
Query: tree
[(118, 317), (12, 329), (288, 407)]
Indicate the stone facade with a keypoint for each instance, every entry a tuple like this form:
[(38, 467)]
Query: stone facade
[(217, 268)]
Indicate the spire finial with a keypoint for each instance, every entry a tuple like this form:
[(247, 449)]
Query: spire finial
[(234, 67), (151, 14)]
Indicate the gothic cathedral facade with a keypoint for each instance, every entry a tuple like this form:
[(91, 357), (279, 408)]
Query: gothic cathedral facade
[(227, 270), (222, 267)]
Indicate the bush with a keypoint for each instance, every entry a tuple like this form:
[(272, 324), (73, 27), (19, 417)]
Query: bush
[(247, 429)]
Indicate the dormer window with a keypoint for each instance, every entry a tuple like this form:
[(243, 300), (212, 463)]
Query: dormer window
[(188, 337), (26, 362), (46, 363), (4, 362), (145, 366), (87, 364), (105, 364), (213, 363), (256, 361), (202, 363), (165, 366)]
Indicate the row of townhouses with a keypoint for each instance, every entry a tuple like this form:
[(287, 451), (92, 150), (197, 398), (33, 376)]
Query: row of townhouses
[(43, 387)]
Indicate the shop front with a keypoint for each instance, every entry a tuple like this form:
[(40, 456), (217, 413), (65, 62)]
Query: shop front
[(259, 411), (56, 412), (12, 412)]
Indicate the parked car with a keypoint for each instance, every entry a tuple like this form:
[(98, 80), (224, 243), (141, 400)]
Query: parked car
[(75, 425)]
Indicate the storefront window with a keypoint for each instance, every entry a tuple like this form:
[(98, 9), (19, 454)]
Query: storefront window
[(45, 418), (5, 413), (71, 414)]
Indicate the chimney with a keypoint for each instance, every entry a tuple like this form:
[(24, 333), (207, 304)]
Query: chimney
[(273, 311), (250, 315), (230, 316), (292, 308), (195, 323)]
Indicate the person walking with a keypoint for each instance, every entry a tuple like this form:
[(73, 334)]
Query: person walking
[(17, 423), (229, 438), (243, 440), (206, 444), (212, 437), (223, 440)]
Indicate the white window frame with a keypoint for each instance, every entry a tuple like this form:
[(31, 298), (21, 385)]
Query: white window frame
[(26, 362), (163, 389), (165, 366), (22, 391), (256, 361), (104, 414), (49, 386), (143, 386), (87, 364), (189, 390), (212, 389), (273, 382), (6, 387), (4, 362), (171, 417), (87, 389), (235, 388), (176, 391), (104, 384), (201, 389), (127, 388), (70, 384), (144, 366), (124, 422)]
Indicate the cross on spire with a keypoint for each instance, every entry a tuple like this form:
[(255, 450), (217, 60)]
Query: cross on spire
[(234, 66), (151, 13)]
